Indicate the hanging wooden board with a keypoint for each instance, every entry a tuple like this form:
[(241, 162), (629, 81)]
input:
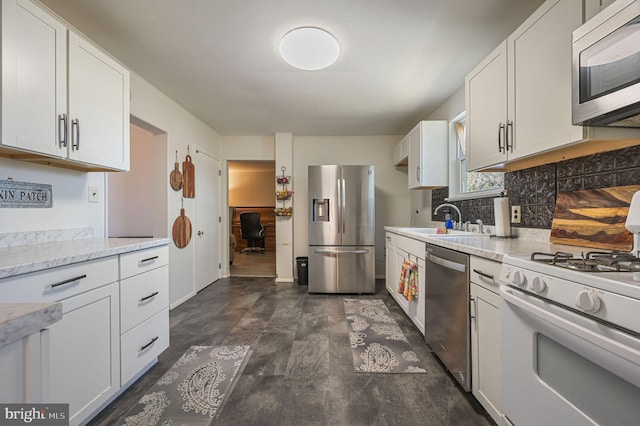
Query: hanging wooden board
[(175, 179), (594, 218), (181, 230), (188, 178)]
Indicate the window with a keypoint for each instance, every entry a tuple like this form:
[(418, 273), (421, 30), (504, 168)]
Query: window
[(464, 184)]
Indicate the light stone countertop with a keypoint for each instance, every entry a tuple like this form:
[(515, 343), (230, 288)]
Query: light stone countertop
[(491, 248), (18, 320), (23, 259)]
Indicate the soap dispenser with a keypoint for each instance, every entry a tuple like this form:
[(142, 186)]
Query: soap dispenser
[(447, 219)]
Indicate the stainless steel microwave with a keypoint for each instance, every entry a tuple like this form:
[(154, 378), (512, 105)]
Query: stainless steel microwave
[(606, 68)]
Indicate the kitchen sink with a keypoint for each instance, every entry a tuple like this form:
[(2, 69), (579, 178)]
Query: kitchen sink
[(434, 232)]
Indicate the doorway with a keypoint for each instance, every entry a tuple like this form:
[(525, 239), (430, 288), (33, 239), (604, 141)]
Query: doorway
[(252, 188)]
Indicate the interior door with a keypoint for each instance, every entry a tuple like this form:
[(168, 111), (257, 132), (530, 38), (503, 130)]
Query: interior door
[(207, 227)]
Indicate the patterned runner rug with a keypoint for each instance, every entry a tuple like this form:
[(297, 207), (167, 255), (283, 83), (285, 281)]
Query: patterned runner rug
[(377, 342), (192, 391)]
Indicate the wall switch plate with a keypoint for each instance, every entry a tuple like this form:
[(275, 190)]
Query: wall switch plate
[(93, 194), (516, 214)]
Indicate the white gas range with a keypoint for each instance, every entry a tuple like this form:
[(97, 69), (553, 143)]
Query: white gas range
[(570, 336)]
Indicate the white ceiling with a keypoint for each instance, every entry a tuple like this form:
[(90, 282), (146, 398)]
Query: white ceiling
[(219, 59)]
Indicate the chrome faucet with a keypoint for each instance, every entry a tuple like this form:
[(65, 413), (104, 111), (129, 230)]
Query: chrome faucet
[(435, 212), (480, 226)]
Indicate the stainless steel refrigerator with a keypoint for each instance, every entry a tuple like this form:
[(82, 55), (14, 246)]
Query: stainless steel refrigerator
[(341, 229)]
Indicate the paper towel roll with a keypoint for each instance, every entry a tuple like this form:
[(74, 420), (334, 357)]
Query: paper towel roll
[(501, 211)]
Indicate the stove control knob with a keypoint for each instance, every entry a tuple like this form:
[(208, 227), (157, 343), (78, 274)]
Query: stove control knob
[(519, 278), (538, 285), (588, 301)]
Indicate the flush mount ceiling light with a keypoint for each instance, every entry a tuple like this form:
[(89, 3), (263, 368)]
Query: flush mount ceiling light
[(309, 48)]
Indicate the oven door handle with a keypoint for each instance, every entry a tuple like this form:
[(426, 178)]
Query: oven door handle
[(623, 351)]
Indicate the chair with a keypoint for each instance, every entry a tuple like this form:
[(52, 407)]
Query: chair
[(252, 231)]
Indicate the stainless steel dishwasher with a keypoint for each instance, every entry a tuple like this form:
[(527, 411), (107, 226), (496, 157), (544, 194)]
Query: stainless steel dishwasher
[(447, 310)]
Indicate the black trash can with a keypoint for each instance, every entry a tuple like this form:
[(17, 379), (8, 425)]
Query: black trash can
[(303, 270)]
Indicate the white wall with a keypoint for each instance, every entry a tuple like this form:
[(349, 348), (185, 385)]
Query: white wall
[(421, 198), (392, 195), (252, 188), (182, 128), (71, 207), (130, 209)]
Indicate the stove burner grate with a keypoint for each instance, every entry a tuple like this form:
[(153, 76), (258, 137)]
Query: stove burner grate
[(594, 261)]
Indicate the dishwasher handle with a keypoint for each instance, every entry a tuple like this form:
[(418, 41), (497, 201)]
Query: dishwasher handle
[(449, 264)]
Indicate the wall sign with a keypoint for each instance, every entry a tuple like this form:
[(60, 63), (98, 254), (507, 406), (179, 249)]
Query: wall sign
[(24, 194)]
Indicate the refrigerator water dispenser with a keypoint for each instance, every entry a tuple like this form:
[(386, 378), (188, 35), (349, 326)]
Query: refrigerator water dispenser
[(321, 210)]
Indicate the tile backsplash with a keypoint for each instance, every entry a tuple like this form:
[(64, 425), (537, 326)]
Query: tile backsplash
[(535, 189)]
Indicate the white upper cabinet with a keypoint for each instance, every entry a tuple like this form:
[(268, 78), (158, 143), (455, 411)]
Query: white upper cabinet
[(34, 79), (401, 152), (518, 100), (98, 107), (42, 61), (486, 106), (428, 155)]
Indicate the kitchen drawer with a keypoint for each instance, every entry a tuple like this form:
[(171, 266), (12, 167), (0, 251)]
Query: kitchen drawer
[(485, 273), (142, 296), (411, 246), (55, 284), (137, 262), (142, 344), (391, 238)]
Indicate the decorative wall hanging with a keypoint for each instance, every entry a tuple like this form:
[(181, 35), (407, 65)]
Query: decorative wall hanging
[(24, 194), (175, 178), (181, 231), (188, 177), (284, 195)]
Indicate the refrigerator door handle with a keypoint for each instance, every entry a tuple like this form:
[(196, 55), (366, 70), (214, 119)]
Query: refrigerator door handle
[(339, 203), (343, 202), (330, 251)]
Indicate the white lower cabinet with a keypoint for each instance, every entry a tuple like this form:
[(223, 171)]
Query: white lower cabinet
[(20, 365), (142, 344), (485, 335), (398, 249), (115, 322), (144, 309), (390, 265), (84, 352)]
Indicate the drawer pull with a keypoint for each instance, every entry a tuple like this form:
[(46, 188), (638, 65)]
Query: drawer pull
[(142, 348), (155, 293), (150, 259), (483, 274), (70, 280)]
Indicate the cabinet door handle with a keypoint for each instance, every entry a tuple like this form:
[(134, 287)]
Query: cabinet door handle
[(155, 293), (484, 274), (70, 280), (418, 173), (149, 259), (62, 130), (75, 141), (501, 136), (509, 136), (143, 347)]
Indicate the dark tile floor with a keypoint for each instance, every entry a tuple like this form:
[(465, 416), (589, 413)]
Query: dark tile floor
[(300, 371)]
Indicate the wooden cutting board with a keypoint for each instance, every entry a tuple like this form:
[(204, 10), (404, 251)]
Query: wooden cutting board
[(175, 178), (594, 218), (181, 230), (188, 178)]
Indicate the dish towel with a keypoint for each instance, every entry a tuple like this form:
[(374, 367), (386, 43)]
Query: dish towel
[(408, 285)]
